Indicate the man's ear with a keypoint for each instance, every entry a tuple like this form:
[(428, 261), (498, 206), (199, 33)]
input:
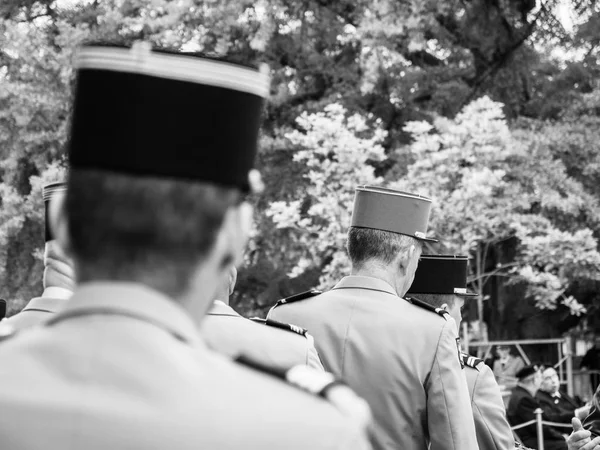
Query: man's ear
[(403, 260), (59, 225), (232, 279)]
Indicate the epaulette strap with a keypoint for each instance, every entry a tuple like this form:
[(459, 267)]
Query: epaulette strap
[(298, 297), (470, 361), (415, 301), (282, 326), (300, 376)]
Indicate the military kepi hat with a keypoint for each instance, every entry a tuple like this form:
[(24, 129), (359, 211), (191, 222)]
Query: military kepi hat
[(390, 210), (441, 274), (175, 115), (48, 192)]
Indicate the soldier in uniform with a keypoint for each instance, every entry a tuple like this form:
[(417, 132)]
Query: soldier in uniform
[(402, 357), (161, 147), (273, 343), (441, 281), (59, 278)]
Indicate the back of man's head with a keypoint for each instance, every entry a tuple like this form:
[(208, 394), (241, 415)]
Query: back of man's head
[(143, 229), (367, 244)]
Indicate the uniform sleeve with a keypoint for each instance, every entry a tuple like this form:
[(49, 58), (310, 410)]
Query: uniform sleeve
[(312, 356), (493, 430), (449, 414)]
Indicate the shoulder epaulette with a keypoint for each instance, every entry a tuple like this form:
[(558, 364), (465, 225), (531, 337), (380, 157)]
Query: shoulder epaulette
[(470, 361), (415, 301), (298, 297), (303, 377), (281, 325)]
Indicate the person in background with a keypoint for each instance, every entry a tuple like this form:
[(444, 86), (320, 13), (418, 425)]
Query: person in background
[(521, 409), (161, 151), (506, 367), (400, 356), (59, 275), (441, 281), (273, 343), (557, 405)]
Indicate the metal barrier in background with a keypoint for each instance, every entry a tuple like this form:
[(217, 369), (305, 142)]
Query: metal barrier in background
[(540, 427)]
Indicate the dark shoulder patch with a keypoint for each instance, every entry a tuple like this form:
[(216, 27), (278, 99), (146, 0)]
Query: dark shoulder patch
[(298, 297), (415, 301), (301, 376), (470, 361), (281, 325)]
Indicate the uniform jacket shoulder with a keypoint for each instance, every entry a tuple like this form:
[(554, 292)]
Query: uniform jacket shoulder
[(299, 297), (281, 325), (426, 306), (7, 331), (470, 361)]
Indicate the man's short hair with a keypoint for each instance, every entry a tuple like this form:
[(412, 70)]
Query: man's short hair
[(436, 300), (366, 244), (143, 229)]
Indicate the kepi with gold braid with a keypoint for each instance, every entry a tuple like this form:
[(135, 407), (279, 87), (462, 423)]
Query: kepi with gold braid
[(391, 210)]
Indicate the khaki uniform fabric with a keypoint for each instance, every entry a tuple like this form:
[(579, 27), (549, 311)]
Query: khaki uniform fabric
[(225, 331), (39, 309), (401, 358), (123, 367), (491, 425)]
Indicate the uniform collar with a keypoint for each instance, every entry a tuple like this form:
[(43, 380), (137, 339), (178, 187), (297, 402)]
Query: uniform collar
[(364, 282), (220, 308), (57, 292), (132, 300), (48, 304)]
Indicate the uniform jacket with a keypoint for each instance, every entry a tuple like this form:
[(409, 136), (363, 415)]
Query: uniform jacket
[(491, 426), (225, 331), (124, 367), (401, 358), (506, 374), (558, 408), (40, 309), (521, 409)]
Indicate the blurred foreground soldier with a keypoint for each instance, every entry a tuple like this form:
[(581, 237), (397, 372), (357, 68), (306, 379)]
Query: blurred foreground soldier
[(557, 405), (59, 277), (441, 281), (272, 343), (592, 421), (161, 149), (521, 409), (401, 357), (581, 439)]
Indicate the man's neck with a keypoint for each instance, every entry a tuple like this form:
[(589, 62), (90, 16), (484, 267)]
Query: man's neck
[(57, 292), (379, 271)]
